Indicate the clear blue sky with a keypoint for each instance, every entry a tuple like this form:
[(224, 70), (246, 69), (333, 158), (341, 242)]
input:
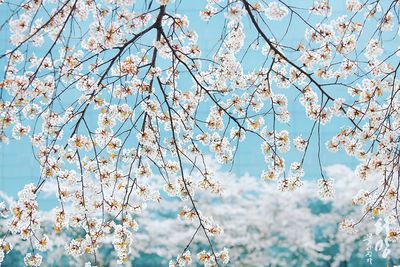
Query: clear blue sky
[(19, 167)]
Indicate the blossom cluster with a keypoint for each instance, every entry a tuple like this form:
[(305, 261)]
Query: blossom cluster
[(114, 93)]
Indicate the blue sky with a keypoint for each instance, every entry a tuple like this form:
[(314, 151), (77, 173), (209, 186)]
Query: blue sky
[(19, 167)]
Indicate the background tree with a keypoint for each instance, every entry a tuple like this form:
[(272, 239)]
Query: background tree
[(265, 228)]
